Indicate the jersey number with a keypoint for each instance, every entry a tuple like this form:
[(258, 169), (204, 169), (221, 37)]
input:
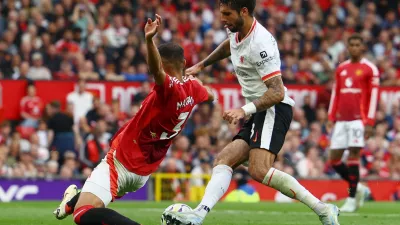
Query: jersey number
[(182, 117)]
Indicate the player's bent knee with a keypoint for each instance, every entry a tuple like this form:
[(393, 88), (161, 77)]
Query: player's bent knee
[(354, 152), (89, 199), (258, 171)]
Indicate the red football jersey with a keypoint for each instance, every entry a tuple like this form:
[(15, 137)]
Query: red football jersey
[(355, 94), (143, 142), (32, 106)]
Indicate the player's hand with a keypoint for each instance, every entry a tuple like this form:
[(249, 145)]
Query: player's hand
[(151, 27), (369, 131), (194, 70), (329, 126), (234, 115)]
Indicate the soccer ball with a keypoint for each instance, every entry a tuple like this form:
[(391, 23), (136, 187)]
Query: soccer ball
[(178, 207)]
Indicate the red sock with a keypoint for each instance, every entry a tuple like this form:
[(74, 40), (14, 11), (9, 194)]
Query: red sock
[(80, 212)]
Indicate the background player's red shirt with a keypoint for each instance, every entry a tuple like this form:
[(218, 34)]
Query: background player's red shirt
[(143, 142), (32, 106), (355, 94)]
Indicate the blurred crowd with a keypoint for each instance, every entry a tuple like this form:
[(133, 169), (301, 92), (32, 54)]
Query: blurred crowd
[(103, 40), (50, 142)]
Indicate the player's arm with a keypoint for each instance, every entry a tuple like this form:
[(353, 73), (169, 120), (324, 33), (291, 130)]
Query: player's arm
[(153, 56), (221, 52), (372, 95), (274, 94), (334, 98)]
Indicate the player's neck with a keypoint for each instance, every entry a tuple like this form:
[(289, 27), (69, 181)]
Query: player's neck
[(248, 23), (356, 59), (175, 73)]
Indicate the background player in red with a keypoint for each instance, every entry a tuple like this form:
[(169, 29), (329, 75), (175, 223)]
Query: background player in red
[(353, 106), (140, 145)]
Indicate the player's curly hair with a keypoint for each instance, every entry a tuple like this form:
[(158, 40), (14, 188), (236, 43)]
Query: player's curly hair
[(171, 52), (239, 4)]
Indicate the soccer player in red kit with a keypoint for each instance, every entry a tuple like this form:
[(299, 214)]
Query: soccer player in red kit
[(352, 108), (138, 148)]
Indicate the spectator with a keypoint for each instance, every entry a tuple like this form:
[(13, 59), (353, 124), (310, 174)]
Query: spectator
[(60, 126), (81, 101), (38, 71), (31, 107)]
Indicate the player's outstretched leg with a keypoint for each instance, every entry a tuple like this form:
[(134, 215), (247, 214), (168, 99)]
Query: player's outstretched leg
[(89, 210), (68, 202), (260, 168), (228, 158)]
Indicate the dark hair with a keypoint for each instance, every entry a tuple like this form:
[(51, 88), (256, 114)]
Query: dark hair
[(355, 36), (171, 52), (239, 4)]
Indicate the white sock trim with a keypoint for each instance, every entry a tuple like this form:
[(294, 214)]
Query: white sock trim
[(268, 176)]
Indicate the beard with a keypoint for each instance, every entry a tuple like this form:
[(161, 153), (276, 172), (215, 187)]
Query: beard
[(237, 25)]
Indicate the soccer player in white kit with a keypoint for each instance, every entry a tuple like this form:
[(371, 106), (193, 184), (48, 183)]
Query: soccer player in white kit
[(255, 56)]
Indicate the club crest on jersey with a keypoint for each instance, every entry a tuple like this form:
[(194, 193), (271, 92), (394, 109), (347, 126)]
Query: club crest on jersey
[(188, 101), (359, 72), (343, 73), (263, 54), (241, 59)]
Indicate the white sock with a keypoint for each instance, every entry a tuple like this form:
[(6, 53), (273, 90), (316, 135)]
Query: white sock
[(216, 188), (290, 187)]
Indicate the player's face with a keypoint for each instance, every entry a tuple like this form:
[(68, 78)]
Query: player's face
[(355, 47), (231, 18)]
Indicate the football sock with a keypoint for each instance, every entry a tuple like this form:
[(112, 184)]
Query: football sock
[(70, 206), (290, 187), (216, 188), (88, 215), (341, 169), (354, 176)]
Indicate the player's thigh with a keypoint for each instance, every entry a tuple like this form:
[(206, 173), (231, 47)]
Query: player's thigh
[(237, 152), (234, 154), (260, 161), (97, 189), (339, 138), (128, 181), (355, 133), (354, 152)]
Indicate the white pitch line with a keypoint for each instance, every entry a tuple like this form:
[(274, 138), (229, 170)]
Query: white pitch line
[(228, 211)]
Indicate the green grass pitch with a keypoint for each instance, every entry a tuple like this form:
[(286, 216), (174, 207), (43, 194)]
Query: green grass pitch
[(265, 213)]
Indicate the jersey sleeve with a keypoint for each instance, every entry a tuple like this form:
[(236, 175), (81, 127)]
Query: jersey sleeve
[(200, 93), (371, 91), (334, 98), (265, 55)]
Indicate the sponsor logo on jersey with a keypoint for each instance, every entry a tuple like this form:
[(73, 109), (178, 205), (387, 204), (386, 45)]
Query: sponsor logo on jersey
[(348, 82), (188, 101), (262, 62), (263, 54), (343, 73)]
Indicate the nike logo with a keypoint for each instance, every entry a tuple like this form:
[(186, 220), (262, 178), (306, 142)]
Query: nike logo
[(255, 138)]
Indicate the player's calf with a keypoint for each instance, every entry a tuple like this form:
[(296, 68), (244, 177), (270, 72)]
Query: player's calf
[(281, 181), (88, 215)]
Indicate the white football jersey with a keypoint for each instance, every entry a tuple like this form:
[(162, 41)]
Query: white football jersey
[(256, 59)]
